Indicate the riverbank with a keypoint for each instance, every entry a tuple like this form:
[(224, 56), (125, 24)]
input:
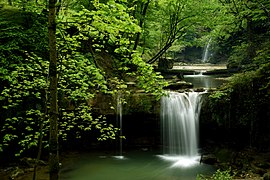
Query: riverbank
[(247, 163), (199, 67)]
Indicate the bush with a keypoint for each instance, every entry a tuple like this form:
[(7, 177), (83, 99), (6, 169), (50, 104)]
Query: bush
[(218, 175)]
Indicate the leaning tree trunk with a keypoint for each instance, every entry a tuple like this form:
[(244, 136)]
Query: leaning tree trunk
[(142, 19), (53, 142)]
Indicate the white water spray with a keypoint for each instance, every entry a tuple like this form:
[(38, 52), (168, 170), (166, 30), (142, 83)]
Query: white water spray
[(180, 120)]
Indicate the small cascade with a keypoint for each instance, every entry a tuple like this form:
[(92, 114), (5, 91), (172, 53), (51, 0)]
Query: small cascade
[(119, 114), (206, 51), (180, 120), (199, 73)]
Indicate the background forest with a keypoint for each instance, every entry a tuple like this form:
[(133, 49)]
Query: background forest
[(104, 45)]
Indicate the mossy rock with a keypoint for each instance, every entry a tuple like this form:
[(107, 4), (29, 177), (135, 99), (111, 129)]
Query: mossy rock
[(165, 63), (224, 155), (179, 85)]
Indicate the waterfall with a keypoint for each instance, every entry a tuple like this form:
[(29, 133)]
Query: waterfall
[(206, 51), (120, 125), (180, 120)]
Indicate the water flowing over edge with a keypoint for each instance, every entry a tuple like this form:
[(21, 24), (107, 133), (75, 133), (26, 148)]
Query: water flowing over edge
[(206, 51), (180, 120)]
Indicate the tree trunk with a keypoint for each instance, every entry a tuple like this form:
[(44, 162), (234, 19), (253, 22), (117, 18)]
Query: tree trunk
[(143, 13), (41, 125), (251, 47), (53, 142), (160, 53)]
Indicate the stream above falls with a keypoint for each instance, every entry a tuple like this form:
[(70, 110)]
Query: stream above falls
[(186, 76), (205, 81)]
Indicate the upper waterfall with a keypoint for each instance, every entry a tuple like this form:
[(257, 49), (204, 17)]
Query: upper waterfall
[(206, 51)]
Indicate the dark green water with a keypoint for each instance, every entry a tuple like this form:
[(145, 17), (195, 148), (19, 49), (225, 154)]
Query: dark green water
[(137, 165)]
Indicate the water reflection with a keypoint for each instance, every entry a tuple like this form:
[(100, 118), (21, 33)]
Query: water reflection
[(204, 81)]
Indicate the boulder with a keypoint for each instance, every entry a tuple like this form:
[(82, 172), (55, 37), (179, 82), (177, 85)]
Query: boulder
[(266, 176), (208, 159), (16, 172), (179, 85)]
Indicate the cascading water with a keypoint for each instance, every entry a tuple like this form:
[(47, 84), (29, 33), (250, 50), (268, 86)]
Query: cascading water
[(206, 51), (180, 119)]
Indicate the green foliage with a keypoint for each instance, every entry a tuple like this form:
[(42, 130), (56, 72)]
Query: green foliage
[(244, 39), (239, 98), (216, 100), (246, 100), (218, 175), (222, 175), (171, 25), (20, 32), (23, 101), (84, 38), (111, 33), (246, 30), (23, 77)]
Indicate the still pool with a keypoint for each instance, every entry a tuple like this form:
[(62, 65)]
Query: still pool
[(135, 165), (205, 81)]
